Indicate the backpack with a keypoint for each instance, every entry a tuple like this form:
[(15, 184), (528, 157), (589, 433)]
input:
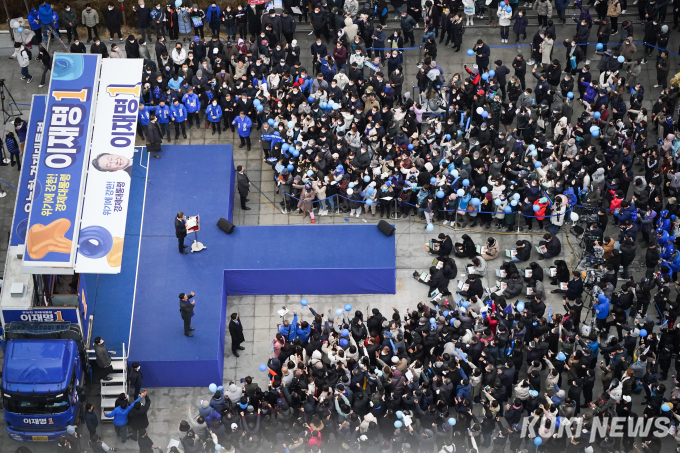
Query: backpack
[(29, 53)]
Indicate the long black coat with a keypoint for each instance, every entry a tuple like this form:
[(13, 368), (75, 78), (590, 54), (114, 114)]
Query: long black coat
[(236, 332), (154, 138)]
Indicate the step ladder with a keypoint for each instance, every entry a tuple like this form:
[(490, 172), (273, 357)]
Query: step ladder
[(110, 390)]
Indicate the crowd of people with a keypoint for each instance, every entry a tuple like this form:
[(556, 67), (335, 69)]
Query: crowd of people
[(480, 147)]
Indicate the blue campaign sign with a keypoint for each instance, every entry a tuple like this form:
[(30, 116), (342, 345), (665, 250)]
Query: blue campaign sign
[(27, 184), (54, 219), (50, 314), (272, 138)]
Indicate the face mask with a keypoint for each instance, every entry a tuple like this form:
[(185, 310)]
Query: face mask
[(520, 14), (110, 8), (68, 9)]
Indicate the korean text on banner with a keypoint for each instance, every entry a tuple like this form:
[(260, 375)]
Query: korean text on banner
[(54, 221), (27, 183), (102, 228)]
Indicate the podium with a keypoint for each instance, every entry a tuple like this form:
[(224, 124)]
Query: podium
[(194, 226)]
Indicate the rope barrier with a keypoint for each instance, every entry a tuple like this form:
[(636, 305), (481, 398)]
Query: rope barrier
[(10, 185), (392, 48)]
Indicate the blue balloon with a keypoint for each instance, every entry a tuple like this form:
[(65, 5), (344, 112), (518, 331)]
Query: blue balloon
[(492, 73), (445, 313), (597, 115), (270, 121), (536, 208), (508, 10), (310, 99), (291, 124), (20, 30), (561, 357), (410, 147), (538, 441), (465, 304), (399, 415), (348, 307), (570, 95), (643, 333), (533, 153), (329, 106), (370, 190), (285, 147), (497, 202), (595, 133), (350, 185), (310, 172), (599, 46), (257, 102), (484, 189), (485, 114), (218, 447), (513, 203), (475, 202), (665, 407), (515, 196), (369, 202), (433, 180), (531, 147), (460, 192), (466, 182), (344, 342), (508, 210), (621, 59), (295, 152), (440, 194), (367, 178), (502, 4), (290, 167), (398, 424), (485, 76), (322, 105), (212, 388), (260, 108), (520, 306), (538, 164), (344, 332), (452, 421), (429, 227), (470, 52), (448, 136), (263, 368), (338, 312), (304, 302), (336, 106)]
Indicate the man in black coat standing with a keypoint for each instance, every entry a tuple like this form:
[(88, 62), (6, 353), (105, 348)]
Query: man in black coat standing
[(154, 137), (186, 309), (243, 184), (135, 378), (180, 232), (236, 332)]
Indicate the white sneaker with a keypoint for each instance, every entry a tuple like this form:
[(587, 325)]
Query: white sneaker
[(110, 39), (358, 214), (446, 222), (121, 39), (657, 86)]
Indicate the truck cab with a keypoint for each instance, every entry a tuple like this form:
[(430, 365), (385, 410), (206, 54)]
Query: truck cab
[(41, 388)]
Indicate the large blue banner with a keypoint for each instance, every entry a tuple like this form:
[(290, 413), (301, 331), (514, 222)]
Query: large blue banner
[(54, 220), (27, 187)]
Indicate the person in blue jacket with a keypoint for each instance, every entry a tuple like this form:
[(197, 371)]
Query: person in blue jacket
[(602, 306), (45, 12), (303, 330), (143, 120), (213, 113), (243, 125), (178, 113), (193, 105), (214, 16), (120, 417), (163, 115), (289, 330)]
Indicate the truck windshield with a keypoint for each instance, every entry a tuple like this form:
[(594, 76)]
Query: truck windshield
[(36, 404)]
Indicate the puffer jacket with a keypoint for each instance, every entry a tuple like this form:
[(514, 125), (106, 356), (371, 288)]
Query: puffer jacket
[(90, 18), (184, 21), (492, 250), (543, 8)]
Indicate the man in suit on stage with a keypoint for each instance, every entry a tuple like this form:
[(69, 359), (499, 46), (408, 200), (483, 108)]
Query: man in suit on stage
[(181, 231), (243, 184), (236, 332), (186, 309)]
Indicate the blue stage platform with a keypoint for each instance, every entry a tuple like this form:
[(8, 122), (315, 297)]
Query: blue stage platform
[(332, 259), (343, 259)]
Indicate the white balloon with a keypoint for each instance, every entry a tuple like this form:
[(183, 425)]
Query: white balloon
[(14, 23), (480, 110), (574, 217)]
